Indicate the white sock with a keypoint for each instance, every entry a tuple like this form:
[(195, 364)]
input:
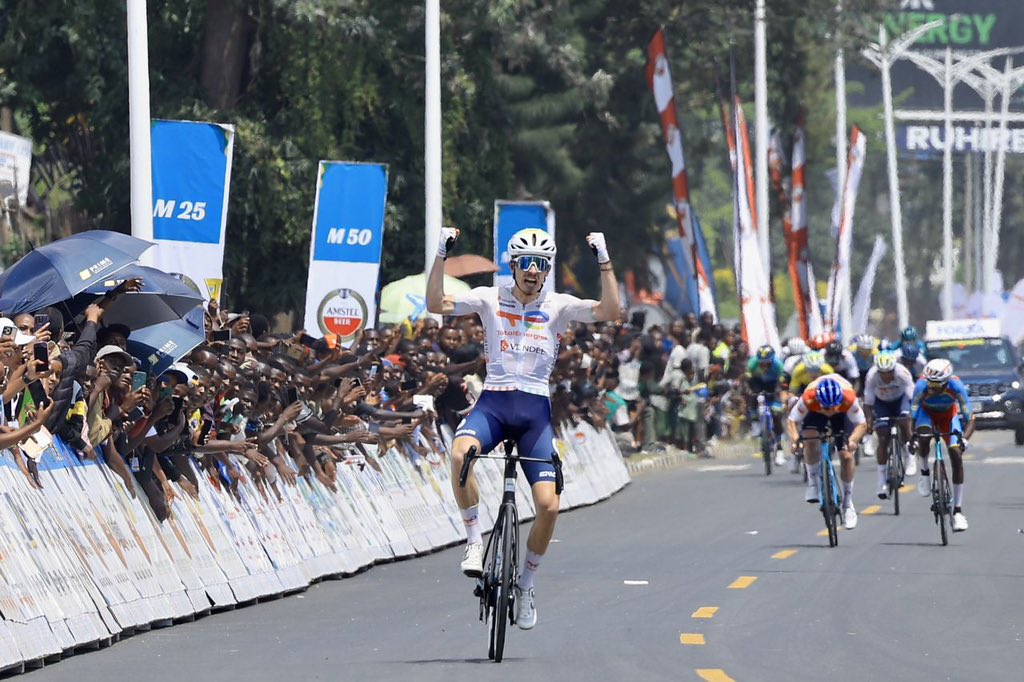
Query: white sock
[(924, 465), (530, 565), (958, 495), (847, 494), (471, 519), (883, 474)]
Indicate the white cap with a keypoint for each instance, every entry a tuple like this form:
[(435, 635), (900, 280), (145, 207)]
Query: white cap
[(111, 349), (20, 337)]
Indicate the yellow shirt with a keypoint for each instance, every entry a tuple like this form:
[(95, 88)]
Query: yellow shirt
[(802, 377)]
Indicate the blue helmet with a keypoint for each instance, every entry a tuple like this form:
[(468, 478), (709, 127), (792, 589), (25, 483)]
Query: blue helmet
[(910, 350), (829, 393), (909, 334)]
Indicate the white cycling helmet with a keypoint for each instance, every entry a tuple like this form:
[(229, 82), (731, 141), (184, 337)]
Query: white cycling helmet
[(796, 346), (885, 361), (531, 242), (938, 370)]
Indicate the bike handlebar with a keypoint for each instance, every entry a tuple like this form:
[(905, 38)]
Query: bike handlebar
[(471, 454)]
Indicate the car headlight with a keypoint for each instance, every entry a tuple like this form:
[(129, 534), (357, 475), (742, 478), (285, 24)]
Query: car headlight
[(1015, 385), (997, 397)]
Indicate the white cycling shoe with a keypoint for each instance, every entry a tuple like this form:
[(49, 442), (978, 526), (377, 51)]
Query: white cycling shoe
[(811, 493), (883, 491), (959, 522), (924, 486), (526, 609), (910, 464), (473, 560), (849, 518), (780, 458)]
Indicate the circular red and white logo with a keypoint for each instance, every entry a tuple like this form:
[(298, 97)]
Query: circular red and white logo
[(342, 312)]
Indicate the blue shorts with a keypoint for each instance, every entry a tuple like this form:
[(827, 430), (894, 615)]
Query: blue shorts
[(891, 409), (515, 415), (943, 423)]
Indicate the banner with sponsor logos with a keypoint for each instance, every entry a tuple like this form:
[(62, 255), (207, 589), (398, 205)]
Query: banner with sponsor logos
[(191, 185), (15, 166), (345, 249), (509, 218)]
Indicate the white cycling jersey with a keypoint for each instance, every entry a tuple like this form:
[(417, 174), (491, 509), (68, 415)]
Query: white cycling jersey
[(521, 341), (901, 386)]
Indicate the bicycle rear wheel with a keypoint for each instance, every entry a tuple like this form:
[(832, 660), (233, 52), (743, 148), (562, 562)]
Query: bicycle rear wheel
[(767, 453), (896, 472), (504, 570)]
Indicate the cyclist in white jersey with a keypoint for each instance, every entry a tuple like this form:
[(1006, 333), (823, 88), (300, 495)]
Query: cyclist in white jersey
[(523, 326), (888, 390)]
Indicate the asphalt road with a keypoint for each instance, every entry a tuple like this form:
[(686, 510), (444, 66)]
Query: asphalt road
[(729, 543)]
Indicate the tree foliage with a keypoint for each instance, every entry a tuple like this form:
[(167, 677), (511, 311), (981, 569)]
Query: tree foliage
[(541, 100)]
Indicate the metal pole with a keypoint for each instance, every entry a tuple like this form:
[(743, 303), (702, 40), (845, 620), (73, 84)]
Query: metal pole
[(432, 140), (979, 229), (986, 195), (992, 246), (845, 305), (761, 126), (139, 137), (947, 191), (902, 309), (967, 251)]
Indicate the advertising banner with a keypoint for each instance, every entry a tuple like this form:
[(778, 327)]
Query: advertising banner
[(345, 249), (509, 218), (928, 141), (191, 185), (968, 26), (15, 166)]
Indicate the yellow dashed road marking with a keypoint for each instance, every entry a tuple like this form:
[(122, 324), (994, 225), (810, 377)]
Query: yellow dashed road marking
[(743, 582), (713, 675), (873, 509), (691, 638), (705, 612), (784, 554), (907, 488)]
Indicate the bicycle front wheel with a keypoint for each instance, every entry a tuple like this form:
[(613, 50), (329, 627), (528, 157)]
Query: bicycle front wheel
[(828, 503), (896, 472), (504, 570), (944, 511), (766, 452)]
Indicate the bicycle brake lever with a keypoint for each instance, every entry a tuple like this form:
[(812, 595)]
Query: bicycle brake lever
[(464, 474)]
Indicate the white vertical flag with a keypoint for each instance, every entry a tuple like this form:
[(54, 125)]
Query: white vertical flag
[(840, 267), (862, 304)]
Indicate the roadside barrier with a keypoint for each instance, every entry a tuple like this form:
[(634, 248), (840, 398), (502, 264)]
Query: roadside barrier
[(84, 562)]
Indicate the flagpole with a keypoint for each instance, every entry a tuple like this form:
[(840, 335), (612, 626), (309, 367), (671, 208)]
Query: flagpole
[(761, 126), (432, 125), (139, 138), (841, 162)]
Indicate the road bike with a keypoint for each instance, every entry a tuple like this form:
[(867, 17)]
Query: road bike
[(897, 454), (768, 440), (501, 564), (942, 495), (830, 493)]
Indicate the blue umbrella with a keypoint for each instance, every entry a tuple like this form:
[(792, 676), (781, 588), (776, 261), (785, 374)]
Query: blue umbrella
[(161, 345), (59, 270), (163, 297)]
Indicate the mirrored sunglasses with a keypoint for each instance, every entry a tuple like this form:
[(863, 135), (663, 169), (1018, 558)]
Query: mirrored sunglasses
[(524, 263)]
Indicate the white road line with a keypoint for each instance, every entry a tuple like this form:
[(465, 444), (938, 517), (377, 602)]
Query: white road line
[(635, 582), (724, 467), (1015, 459)]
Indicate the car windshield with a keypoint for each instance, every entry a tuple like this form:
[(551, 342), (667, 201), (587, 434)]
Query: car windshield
[(974, 354)]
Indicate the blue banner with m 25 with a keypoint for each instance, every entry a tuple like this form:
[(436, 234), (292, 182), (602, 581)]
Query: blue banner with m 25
[(350, 212), (190, 180)]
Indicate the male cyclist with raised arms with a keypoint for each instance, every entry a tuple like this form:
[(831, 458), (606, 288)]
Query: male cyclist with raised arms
[(764, 375), (888, 390), (940, 402), (523, 325), (829, 400)]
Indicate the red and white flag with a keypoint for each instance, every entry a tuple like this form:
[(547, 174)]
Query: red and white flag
[(840, 277), (659, 79), (756, 307), (797, 241)]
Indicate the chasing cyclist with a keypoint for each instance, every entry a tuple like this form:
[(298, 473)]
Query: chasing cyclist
[(940, 402), (842, 361), (864, 349), (523, 324), (764, 375), (811, 366), (888, 390), (829, 400)]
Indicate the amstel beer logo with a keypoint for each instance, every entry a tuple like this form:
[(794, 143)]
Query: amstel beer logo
[(342, 312)]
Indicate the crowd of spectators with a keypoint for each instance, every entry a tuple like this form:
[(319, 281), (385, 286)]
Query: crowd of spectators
[(274, 407)]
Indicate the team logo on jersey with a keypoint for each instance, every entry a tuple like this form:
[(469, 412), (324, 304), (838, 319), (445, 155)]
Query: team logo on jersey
[(509, 347), (535, 319), (342, 312)]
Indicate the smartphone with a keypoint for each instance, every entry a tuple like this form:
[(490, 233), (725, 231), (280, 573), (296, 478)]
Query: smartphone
[(336, 383), (179, 403), (165, 392), (41, 320), (40, 353), (407, 420), (8, 331), (308, 341), (39, 397), (357, 382), (292, 395), (221, 335), (204, 431), (139, 380), (637, 319), (373, 370)]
